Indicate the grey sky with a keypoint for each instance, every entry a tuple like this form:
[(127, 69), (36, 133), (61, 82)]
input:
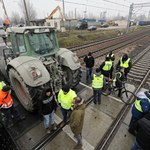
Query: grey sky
[(93, 7)]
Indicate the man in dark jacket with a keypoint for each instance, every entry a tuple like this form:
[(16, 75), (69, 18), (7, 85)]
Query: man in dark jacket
[(89, 61), (77, 119), (143, 134), (140, 108), (47, 106)]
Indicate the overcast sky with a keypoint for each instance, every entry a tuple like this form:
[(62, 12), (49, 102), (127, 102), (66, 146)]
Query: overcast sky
[(95, 7)]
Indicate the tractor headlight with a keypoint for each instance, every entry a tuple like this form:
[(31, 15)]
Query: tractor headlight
[(35, 73)]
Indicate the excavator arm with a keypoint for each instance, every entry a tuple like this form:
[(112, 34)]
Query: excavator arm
[(54, 11)]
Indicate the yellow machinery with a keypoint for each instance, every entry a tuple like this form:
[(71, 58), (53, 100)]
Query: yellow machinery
[(54, 11)]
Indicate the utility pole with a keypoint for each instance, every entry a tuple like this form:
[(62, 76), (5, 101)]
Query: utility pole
[(75, 13), (26, 12), (63, 8), (3, 5), (129, 17)]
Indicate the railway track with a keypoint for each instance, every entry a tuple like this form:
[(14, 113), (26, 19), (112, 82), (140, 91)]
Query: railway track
[(104, 47), (108, 136), (144, 72), (142, 58)]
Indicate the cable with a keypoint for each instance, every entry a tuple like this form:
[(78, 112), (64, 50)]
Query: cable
[(92, 6)]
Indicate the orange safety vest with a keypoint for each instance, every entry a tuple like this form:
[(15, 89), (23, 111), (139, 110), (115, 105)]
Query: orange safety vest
[(5, 100)]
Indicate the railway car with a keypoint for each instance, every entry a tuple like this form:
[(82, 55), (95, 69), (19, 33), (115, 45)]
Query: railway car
[(144, 23)]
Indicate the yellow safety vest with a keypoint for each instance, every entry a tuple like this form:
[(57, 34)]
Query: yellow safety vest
[(2, 84), (66, 100), (97, 81), (125, 64), (138, 105), (107, 66)]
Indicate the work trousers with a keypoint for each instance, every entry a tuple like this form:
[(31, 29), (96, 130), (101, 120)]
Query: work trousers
[(97, 95), (89, 73), (136, 146), (66, 114), (132, 125), (48, 119), (79, 138)]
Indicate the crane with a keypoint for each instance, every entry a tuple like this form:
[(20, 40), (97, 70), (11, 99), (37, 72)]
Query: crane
[(54, 11)]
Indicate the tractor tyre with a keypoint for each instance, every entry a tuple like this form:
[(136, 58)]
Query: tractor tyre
[(72, 76), (24, 93)]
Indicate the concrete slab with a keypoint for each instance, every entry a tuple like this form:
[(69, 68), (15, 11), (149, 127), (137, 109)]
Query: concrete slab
[(123, 140), (61, 142), (28, 140)]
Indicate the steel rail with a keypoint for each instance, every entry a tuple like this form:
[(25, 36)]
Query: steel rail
[(110, 133), (48, 138)]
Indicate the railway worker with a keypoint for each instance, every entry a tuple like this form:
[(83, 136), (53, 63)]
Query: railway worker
[(77, 119), (140, 107), (2, 84), (7, 108), (125, 62), (89, 62), (47, 107), (111, 56), (97, 85), (142, 141), (107, 68), (119, 79), (65, 99)]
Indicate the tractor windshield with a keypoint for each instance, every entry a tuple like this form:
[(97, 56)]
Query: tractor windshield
[(42, 43)]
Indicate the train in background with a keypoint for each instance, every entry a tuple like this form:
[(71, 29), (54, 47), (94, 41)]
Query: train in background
[(144, 23)]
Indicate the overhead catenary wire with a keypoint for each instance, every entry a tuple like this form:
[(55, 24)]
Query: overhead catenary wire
[(93, 6)]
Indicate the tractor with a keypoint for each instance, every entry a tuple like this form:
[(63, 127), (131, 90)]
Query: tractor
[(35, 61)]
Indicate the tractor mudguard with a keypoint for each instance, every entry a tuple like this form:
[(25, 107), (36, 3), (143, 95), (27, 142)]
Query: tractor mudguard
[(32, 70), (67, 58)]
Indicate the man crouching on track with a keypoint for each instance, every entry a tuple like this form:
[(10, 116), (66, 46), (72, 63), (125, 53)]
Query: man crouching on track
[(140, 107), (47, 106), (77, 119)]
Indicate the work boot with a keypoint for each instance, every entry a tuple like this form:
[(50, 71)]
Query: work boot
[(48, 131), (78, 146), (53, 127)]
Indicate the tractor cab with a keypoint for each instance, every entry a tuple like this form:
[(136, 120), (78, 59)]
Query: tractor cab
[(33, 41)]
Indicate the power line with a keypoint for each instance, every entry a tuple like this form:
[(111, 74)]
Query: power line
[(115, 3), (92, 6)]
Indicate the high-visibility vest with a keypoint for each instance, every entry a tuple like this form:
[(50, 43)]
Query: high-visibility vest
[(138, 105), (2, 84), (107, 66), (97, 81), (125, 64), (66, 100), (5, 100)]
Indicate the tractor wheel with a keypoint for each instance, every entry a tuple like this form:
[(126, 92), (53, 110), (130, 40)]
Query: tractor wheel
[(24, 93), (72, 76)]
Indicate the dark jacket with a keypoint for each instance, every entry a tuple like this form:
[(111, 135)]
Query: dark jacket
[(143, 133), (77, 118), (89, 61), (46, 104), (145, 105)]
